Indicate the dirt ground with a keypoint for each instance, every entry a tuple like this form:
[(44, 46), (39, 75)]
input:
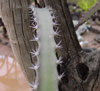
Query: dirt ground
[(5, 48), (93, 38), (11, 76)]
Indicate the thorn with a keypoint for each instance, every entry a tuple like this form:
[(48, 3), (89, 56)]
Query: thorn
[(50, 9), (56, 33), (59, 60), (33, 17), (34, 23), (58, 46), (35, 38), (34, 27), (36, 66), (35, 53), (34, 86), (54, 23), (53, 17), (60, 76)]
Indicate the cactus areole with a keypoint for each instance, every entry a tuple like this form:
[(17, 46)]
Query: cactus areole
[(46, 75)]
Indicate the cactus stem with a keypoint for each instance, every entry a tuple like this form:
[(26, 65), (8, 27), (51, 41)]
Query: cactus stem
[(48, 64)]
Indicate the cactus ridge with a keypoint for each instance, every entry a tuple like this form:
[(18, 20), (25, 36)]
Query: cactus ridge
[(57, 33), (44, 22), (34, 52)]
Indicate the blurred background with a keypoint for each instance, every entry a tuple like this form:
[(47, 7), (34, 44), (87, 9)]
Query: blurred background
[(12, 78)]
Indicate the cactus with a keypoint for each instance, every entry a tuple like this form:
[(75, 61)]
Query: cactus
[(42, 22)]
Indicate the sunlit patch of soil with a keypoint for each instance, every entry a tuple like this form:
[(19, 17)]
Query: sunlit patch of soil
[(11, 77), (90, 37)]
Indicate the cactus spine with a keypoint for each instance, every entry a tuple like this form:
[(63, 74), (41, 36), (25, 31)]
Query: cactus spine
[(42, 23)]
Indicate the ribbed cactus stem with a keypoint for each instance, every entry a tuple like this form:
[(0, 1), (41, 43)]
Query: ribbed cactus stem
[(48, 73), (48, 78)]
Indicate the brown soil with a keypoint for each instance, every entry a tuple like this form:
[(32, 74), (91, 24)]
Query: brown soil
[(11, 76), (90, 37)]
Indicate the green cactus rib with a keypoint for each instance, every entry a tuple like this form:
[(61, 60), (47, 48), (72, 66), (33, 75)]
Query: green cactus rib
[(87, 15), (47, 71)]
